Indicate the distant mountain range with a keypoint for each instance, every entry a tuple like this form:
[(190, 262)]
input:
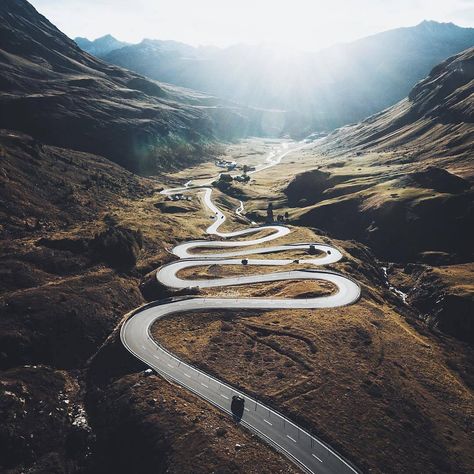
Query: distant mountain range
[(317, 91)]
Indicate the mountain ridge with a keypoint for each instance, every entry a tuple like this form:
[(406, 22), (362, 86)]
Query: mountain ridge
[(318, 91)]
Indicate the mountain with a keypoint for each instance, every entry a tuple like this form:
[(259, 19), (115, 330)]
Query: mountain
[(434, 121), (318, 91), (55, 92), (402, 178), (100, 46), (402, 182)]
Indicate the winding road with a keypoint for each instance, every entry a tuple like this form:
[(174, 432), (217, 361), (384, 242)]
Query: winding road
[(309, 453)]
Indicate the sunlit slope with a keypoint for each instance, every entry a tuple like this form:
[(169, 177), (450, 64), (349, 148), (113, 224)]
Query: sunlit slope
[(436, 118), (401, 181)]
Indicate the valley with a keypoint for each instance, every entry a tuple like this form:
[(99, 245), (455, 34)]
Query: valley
[(267, 354), (292, 350), (165, 249)]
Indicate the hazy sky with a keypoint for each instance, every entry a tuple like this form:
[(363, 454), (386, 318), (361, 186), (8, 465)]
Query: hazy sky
[(301, 24)]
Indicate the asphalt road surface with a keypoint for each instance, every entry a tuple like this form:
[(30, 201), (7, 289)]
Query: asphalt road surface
[(309, 453)]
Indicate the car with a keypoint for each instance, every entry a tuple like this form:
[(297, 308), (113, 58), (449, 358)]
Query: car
[(237, 406), (245, 261), (296, 261)]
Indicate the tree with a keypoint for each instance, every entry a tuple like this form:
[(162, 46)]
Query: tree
[(270, 217), (225, 177)]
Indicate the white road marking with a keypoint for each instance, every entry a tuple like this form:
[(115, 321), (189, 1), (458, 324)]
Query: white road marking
[(187, 375), (169, 365), (246, 409), (224, 396), (204, 385), (314, 456), (292, 439), (267, 422)]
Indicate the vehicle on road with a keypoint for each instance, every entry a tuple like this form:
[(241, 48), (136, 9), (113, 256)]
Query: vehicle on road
[(237, 406)]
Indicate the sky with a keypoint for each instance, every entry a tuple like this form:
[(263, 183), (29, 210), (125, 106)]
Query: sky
[(306, 25)]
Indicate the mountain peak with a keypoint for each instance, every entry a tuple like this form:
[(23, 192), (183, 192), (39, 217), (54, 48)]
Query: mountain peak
[(100, 46), (107, 37), (437, 24)]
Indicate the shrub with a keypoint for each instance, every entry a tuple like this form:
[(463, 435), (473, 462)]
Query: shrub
[(117, 246)]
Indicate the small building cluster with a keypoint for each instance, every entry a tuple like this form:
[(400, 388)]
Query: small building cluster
[(178, 197), (229, 165)]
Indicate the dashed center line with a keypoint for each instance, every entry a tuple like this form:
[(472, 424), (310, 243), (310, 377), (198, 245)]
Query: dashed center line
[(204, 385), (314, 456), (292, 439), (267, 422), (169, 365), (224, 396), (187, 375)]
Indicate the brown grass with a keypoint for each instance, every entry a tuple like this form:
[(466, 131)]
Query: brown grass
[(358, 376)]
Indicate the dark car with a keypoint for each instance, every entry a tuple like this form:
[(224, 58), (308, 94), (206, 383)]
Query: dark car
[(237, 406)]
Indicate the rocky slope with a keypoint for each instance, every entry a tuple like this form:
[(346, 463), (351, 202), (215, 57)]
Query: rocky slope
[(52, 90), (435, 120), (322, 90)]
